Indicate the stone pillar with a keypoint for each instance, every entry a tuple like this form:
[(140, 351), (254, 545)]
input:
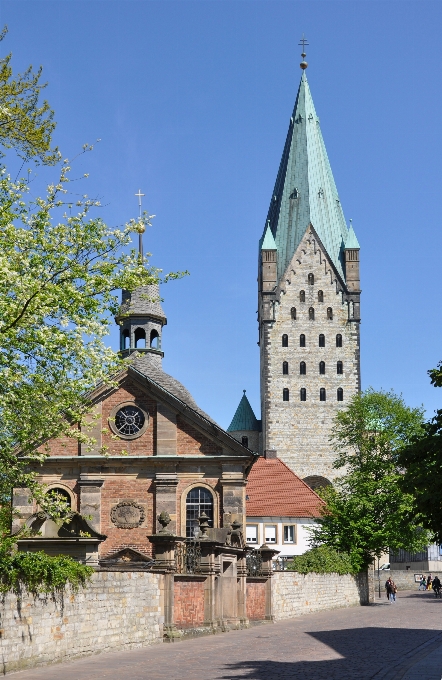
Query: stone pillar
[(233, 486), (92, 427), (267, 555), (90, 500), (165, 545), (166, 431), (165, 498)]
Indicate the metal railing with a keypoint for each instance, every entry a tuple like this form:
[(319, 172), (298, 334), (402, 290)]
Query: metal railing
[(254, 563), (188, 557)]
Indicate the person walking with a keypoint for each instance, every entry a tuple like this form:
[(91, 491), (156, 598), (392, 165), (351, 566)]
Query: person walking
[(423, 583), (388, 587), (393, 591), (429, 580)]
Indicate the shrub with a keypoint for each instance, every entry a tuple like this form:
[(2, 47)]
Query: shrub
[(322, 560)]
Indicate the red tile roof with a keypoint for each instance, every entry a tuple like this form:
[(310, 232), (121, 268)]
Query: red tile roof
[(273, 490)]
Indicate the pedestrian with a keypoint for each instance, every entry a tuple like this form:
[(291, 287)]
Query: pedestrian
[(388, 587), (436, 584), (423, 583), (393, 591), (429, 580)]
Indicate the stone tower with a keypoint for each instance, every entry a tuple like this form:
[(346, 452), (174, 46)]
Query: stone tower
[(309, 303)]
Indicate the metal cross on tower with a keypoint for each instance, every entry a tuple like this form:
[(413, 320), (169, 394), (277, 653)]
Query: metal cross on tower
[(140, 233), (303, 42)]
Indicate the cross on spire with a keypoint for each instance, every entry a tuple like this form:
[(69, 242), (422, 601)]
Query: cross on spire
[(140, 233), (303, 42)]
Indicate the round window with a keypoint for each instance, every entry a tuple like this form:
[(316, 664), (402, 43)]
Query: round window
[(129, 420)]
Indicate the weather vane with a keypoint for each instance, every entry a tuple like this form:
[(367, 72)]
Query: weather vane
[(303, 42), (142, 222)]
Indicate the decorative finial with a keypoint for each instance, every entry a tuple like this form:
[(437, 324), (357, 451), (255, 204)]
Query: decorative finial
[(244, 391), (141, 228), (303, 43)]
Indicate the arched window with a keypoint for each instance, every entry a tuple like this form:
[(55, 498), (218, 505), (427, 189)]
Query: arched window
[(285, 394), (302, 340), (339, 368), (303, 394), (302, 368), (285, 340), (329, 313), (198, 500), (302, 296), (285, 368), (340, 394), (154, 339), (322, 395), (339, 340), (311, 314), (59, 494), (311, 279), (322, 367), (321, 340), (245, 441), (320, 296), (125, 340), (140, 338), (293, 312)]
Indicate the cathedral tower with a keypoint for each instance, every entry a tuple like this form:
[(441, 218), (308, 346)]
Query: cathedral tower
[(309, 303)]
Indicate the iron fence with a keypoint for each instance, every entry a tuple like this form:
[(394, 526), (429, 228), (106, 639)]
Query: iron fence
[(188, 557), (254, 563)]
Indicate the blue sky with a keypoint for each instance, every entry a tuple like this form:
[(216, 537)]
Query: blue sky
[(191, 101)]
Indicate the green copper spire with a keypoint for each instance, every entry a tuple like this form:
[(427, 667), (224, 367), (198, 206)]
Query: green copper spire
[(351, 241), (305, 191), (244, 418), (268, 242)]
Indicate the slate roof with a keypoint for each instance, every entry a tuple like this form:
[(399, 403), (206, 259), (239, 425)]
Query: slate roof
[(144, 300), (273, 490), (305, 190), (244, 418)]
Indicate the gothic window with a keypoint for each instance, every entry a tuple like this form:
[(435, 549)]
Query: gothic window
[(125, 340), (293, 312), (285, 394), (339, 368), (198, 500), (311, 279), (285, 340), (302, 368), (340, 394), (320, 296), (245, 441), (302, 340), (303, 394), (285, 368), (154, 339), (322, 367), (140, 338), (339, 340), (302, 296), (311, 314), (329, 313), (322, 396), (322, 340)]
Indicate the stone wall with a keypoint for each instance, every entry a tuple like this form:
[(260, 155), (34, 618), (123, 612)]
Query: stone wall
[(296, 594), (116, 611), (404, 579)]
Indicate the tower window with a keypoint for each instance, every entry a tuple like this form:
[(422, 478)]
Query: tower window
[(154, 339), (311, 314), (322, 396), (125, 340), (339, 368), (311, 279), (285, 340), (245, 441), (340, 394), (303, 394), (140, 338), (285, 394), (322, 367), (339, 340), (285, 368), (293, 312), (329, 313), (302, 340), (320, 296), (321, 340), (302, 368), (302, 296)]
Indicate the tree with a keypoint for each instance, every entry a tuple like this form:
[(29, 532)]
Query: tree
[(422, 461), (367, 513), (26, 124)]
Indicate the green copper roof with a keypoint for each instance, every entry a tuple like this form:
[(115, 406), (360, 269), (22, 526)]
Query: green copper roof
[(244, 418), (305, 190), (351, 241), (268, 242)]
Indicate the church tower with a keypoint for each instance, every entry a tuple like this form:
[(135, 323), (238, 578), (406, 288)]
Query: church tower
[(309, 303)]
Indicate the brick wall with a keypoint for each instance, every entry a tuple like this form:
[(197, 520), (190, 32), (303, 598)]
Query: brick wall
[(189, 602), (256, 600), (191, 442), (296, 594), (116, 611)]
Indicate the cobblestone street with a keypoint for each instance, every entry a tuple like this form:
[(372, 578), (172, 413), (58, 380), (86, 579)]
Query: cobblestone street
[(382, 641)]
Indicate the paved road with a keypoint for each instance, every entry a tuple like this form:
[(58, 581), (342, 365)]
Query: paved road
[(401, 641)]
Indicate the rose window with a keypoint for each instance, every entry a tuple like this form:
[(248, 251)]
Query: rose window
[(129, 420)]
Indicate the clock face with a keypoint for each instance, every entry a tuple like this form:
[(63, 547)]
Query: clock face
[(129, 420)]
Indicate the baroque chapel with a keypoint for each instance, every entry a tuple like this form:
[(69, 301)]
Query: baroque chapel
[(308, 308)]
